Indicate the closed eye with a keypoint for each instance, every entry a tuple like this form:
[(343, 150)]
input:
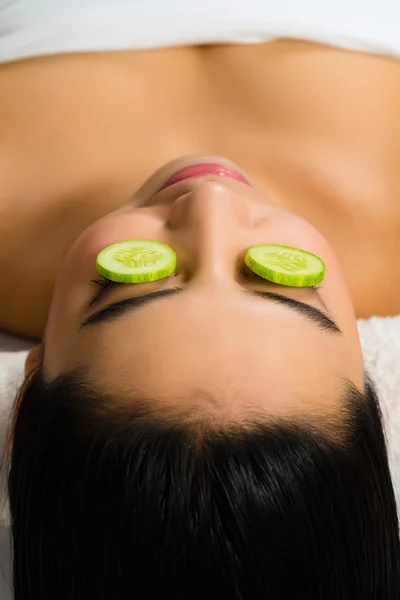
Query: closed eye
[(105, 285), (117, 309), (249, 274)]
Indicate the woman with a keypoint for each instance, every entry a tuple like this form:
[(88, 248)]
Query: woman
[(223, 441)]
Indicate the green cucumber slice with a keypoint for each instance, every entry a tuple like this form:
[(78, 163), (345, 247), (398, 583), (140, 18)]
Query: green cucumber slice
[(285, 265), (136, 261)]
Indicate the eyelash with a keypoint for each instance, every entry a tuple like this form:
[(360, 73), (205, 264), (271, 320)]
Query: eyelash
[(104, 283), (250, 275), (101, 285)]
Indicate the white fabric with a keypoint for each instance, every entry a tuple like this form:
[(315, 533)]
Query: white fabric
[(37, 27), (12, 356)]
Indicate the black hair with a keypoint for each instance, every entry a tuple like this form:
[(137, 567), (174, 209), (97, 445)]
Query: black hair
[(113, 500)]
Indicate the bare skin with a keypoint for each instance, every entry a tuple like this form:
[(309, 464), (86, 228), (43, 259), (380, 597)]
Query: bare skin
[(317, 129)]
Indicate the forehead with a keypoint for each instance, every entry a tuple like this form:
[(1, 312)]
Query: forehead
[(262, 355)]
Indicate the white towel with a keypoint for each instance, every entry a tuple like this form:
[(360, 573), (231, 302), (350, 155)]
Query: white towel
[(380, 340)]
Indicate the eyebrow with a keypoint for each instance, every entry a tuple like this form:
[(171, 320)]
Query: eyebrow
[(116, 310)]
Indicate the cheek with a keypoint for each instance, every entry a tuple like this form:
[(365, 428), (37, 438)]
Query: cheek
[(336, 293), (127, 223), (72, 290), (335, 287), (294, 231), (79, 265)]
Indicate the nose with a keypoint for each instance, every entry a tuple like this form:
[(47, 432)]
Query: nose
[(212, 224)]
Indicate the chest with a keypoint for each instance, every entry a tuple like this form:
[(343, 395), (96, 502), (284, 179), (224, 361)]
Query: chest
[(80, 133), (76, 121)]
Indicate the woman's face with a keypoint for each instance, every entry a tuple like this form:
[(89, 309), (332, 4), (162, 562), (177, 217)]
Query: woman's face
[(212, 342)]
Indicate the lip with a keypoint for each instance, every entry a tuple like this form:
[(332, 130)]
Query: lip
[(201, 169)]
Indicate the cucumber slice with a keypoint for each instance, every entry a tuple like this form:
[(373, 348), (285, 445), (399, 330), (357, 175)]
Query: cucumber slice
[(285, 265), (136, 261)]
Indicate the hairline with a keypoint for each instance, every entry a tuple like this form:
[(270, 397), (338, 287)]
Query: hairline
[(334, 424)]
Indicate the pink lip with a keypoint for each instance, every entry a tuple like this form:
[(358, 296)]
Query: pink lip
[(204, 169)]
